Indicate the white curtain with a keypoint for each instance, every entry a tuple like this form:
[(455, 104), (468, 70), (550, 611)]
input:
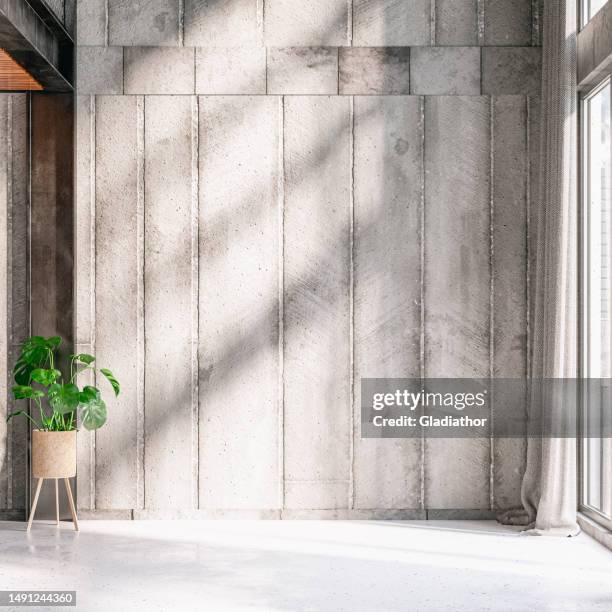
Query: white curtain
[(549, 484)]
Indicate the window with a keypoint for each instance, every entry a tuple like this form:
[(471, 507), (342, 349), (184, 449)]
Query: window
[(590, 8), (596, 451)]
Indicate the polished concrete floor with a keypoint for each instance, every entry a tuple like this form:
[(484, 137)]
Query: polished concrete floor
[(306, 565)]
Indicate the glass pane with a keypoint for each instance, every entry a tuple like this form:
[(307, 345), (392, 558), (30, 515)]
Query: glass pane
[(598, 296), (594, 6)]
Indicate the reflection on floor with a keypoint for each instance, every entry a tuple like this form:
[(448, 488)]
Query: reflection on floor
[(306, 565)]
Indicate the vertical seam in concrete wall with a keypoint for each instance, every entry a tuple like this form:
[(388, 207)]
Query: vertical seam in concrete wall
[(92, 281), (351, 492), (481, 70), (528, 230), (491, 299), (266, 69), (422, 285), (181, 23), (106, 35), (481, 22), (432, 27), (140, 306), (261, 24), (9, 293), (195, 301), (281, 302), (349, 24), (535, 22), (528, 196)]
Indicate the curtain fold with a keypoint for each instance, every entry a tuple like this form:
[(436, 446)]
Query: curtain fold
[(548, 490)]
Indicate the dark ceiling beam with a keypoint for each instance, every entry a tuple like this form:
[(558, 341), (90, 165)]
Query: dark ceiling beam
[(51, 20), (46, 53)]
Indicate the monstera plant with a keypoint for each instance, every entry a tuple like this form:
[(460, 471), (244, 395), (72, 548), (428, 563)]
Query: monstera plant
[(61, 403), (39, 377)]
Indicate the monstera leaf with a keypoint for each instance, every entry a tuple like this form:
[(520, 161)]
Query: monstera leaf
[(45, 377), (93, 413), (26, 392), (64, 398), (34, 354), (112, 380), (83, 358), (22, 372), (88, 393)]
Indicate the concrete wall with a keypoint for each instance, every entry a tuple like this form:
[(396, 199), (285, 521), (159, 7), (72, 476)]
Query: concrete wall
[(14, 295), (275, 199)]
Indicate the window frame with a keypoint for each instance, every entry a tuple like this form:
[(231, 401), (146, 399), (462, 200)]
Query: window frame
[(584, 10), (583, 278)]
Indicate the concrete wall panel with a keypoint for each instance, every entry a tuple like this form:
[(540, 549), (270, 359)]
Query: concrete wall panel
[(388, 173), (231, 71), (155, 70), (18, 287), (303, 70), (457, 289), (508, 22), (374, 70), (238, 304), (170, 194), (99, 70), (445, 70), (456, 22), (143, 22), (91, 22), (5, 180), (119, 157), (84, 323), (511, 70), (382, 23), (316, 301), (509, 222), (306, 24), (19, 218), (210, 23)]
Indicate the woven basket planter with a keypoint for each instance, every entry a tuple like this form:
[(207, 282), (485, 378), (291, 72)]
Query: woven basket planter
[(53, 454)]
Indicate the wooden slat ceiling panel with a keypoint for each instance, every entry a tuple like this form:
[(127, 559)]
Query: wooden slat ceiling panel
[(15, 78)]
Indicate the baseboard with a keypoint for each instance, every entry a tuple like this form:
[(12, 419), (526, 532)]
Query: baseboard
[(461, 515), (380, 514), (12, 515), (105, 514), (357, 514), (595, 530)]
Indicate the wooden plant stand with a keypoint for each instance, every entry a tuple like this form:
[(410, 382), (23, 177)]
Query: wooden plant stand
[(70, 502)]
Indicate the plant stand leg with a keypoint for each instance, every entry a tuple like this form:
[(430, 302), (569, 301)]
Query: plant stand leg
[(71, 504), (38, 487), (57, 522)]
